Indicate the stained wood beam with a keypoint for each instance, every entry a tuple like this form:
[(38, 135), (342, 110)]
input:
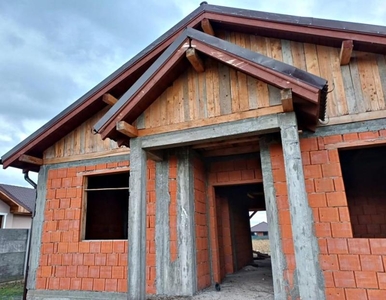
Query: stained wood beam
[(286, 100), (195, 60), (109, 99), (345, 52), (127, 129), (207, 27), (31, 159)]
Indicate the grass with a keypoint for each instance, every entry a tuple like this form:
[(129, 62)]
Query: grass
[(11, 291)]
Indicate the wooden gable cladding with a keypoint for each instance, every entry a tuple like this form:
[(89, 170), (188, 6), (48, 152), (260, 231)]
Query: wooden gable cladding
[(355, 88), (81, 143), (220, 91)]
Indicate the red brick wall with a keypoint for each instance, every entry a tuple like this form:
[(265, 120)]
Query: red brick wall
[(225, 232), (237, 171), (202, 238), (150, 229), (354, 268), (66, 262)]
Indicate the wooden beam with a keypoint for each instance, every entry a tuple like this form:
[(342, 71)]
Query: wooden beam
[(207, 27), (155, 155), (127, 129), (345, 52), (109, 99), (286, 100), (195, 60), (31, 159)]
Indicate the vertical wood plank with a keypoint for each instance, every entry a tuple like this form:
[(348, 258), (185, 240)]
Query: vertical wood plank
[(225, 100), (377, 82), (274, 51), (367, 82), (298, 55), (381, 63), (286, 50), (209, 82), (311, 56), (203, 113), (185, 96), (339, 91), (359, 103)]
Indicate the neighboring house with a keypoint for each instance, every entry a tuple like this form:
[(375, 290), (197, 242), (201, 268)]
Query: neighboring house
[(227, 101), (260, 229), (16, 206)]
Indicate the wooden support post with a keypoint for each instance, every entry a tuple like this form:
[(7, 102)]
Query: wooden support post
[(109, 99), (345, 52), (286, 100), (207, 27), (127, 129), (195, 60), (31, 159)]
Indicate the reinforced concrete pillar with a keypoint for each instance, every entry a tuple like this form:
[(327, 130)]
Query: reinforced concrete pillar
[(309, 275), (137, 222), (277, 256)]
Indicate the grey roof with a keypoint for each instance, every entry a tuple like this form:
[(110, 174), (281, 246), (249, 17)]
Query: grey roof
[(261, 227), (21, 195)]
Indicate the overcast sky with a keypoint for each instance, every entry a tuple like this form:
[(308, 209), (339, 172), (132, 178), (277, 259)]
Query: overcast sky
[(54, 51)]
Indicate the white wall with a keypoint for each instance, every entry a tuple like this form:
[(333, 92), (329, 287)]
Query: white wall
[(21, 222), (4, 210)]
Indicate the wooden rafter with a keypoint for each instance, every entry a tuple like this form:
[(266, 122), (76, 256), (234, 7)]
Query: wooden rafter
[(127, 129), (286, 100), (195, 60), (207, 27), (109, 99), (345, 52), (155, 155), (31, 159)]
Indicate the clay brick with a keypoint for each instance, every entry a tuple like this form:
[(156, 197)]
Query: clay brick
[(341, 230), (356, 294), (118, 272), (76, 284), (349, 262), (106, 247), (41, 283), (328, 279), (344, 279), (344, 214), (111, 285), (333, 156), (366, 279), (309, 144), (281, 189), (284, 217), (89, 259), (324, 185), (319, 157), (82, 271), (87, 284), (323, 246), (376, 294), (335, 294), (323, 229), (306, 160), (312, 171), (64, 283), (122, 286), (339, 184), (105, 272), (247, 174), (46, 271), (53, 283), (95, 247), (123, 259), (331, 170), (328, 262), (77, 259), (382, 280), (100, 259), (371, 263), (93, 271), (368, 135), (99, 284), (71, 271), (332, 139), (329, 214), (317, 200), (279, 175), (288, 246), (286, 231), (112, 259), (282, 202), (337, 246), (378, 246)]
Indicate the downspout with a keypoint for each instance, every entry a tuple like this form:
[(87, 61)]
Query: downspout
[(26, 266)]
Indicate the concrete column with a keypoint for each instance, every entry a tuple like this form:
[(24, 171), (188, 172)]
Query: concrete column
[(277, 256), (37, 228), (137, 222), (177, 278), (308, 272)]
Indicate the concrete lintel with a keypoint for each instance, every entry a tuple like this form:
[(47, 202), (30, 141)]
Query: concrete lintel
[(137, 222), (239, 128), (37, 228), (278, 259), (308, 272)]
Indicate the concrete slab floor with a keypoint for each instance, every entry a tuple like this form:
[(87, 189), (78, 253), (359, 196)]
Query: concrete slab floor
[(249, 283)]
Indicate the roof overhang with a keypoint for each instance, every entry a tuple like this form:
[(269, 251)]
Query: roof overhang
[(309, 90), (325, 32), (15, 206)]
